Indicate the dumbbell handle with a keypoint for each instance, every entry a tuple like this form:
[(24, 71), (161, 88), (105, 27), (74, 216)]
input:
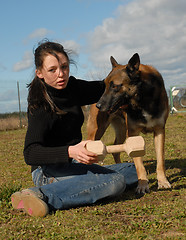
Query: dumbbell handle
[(116, 148)]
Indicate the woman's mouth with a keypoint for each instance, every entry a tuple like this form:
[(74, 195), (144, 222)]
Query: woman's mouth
[(61, 83)]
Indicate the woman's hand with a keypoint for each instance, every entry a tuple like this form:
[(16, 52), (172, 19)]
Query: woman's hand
[(79, 153)]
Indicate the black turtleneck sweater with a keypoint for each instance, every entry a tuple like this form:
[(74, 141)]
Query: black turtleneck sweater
[(49, 134)]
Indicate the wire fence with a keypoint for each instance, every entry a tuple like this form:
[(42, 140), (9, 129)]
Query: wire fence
[(13, 97)]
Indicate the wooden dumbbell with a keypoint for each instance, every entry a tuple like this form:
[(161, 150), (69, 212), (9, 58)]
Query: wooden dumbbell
[(133, 146)]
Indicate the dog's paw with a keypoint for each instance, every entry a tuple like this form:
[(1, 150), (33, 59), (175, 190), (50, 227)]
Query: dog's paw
[(164, 184), (142, 188)]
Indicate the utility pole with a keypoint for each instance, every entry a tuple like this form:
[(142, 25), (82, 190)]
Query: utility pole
[(19, 104)]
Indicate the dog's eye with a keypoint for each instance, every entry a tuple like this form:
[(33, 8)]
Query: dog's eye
[(115, 87), (111, 84)]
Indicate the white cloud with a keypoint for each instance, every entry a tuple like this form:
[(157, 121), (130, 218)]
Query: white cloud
[(156, 29), (39, 33), (25, 63), (71, 45)]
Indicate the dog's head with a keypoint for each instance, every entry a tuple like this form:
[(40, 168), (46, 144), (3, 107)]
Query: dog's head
[(121, 85)]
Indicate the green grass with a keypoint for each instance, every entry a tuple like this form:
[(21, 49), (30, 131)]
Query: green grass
[(157, 215)]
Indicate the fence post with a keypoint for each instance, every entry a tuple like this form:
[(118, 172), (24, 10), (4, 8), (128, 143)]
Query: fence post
[(19, 104), (171, 100)]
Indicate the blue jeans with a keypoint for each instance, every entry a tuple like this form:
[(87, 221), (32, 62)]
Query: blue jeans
[(75, 184)]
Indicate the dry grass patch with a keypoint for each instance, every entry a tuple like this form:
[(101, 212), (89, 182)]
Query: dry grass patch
[(12, 123)]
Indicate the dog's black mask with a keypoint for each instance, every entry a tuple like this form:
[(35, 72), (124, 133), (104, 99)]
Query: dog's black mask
[(114, 99)]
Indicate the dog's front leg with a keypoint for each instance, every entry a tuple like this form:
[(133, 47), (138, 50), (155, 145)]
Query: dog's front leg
[(97, 123), (118, 123), (92, 126), (159, 141), (143, 186)]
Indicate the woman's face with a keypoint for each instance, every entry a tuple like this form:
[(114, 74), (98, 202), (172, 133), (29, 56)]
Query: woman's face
[(55, 73)]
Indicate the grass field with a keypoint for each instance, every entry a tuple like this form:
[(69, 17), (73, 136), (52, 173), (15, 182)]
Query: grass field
[(157, 215)]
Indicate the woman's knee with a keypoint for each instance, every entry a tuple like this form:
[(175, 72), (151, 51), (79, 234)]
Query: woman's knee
[(117, 184)]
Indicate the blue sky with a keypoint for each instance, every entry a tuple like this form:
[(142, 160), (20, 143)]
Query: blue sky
[(95, 30)]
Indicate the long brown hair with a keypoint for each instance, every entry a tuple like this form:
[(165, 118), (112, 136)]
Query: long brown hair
[(38, 95)]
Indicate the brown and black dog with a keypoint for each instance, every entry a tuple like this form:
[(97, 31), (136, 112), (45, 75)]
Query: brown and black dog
[(134, 101)]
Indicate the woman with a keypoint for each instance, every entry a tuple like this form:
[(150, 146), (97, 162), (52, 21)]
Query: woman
[(63, 171)]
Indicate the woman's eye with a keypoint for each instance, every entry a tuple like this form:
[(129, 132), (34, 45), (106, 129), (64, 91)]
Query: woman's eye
[(64, 67), (52, 70)]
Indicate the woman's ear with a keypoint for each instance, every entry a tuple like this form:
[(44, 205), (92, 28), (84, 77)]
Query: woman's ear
[(39, 73)]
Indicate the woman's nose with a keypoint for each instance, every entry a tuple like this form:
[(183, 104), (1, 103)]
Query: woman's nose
[(61, 72)]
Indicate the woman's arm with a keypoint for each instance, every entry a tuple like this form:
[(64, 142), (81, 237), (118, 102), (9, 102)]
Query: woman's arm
[(87, 92), (36, 151)]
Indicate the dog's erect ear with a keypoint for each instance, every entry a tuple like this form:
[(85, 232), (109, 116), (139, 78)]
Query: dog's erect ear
[(133, 64), (113, 61)]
